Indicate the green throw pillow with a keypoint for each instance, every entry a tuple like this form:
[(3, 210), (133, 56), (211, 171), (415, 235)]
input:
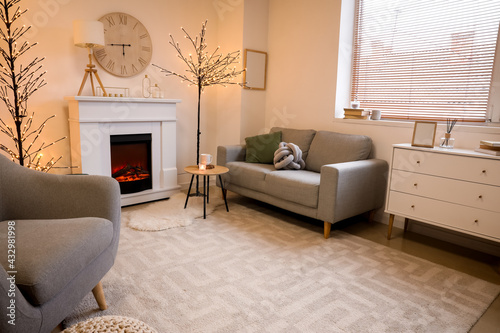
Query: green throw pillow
[(261, 148)]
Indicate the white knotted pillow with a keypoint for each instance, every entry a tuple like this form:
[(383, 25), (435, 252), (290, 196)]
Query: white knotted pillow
[(288, 157)]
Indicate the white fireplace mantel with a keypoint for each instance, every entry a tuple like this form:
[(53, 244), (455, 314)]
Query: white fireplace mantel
[(92, 121)]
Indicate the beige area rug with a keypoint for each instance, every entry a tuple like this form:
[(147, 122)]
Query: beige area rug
[(166, 214), (255, 269)]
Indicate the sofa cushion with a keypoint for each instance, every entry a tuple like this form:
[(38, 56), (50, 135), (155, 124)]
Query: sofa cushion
[(300, 137), (261, 148), (331, 147), (299, 186), (50, 253), (249, 175)]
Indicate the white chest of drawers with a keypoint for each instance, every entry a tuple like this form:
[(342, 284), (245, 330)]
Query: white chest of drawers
[(455, 189)]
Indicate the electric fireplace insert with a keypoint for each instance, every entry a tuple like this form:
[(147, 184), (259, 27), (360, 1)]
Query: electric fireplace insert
[(131, 162)]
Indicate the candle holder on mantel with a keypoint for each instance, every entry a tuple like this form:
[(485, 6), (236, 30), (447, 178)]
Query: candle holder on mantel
[(149, 90)]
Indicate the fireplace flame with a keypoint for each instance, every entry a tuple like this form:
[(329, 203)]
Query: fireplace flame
[(129, 173)]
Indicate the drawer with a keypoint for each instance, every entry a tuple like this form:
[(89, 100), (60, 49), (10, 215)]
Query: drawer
[(450, 190), (475, 169), (461, 218)]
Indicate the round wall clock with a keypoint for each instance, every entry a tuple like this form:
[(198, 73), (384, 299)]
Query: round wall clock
[(128, 48)]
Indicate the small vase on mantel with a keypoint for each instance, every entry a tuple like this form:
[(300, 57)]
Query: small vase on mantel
[(146, 87), (447, 142)]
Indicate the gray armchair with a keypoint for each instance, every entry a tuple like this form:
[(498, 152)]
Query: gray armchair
[(64, 230)]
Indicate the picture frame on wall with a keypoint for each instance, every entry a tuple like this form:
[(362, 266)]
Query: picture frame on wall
[(424, 134), (255, 63)]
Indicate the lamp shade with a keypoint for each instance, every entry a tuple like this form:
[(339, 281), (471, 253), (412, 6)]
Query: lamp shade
[(88, 33)]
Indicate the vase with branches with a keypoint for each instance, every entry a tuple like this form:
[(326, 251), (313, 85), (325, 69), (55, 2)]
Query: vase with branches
[(17, 84), (204, 69), (448, 141)]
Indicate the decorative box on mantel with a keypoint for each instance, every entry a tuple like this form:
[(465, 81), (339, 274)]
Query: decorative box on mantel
[(131, 139)]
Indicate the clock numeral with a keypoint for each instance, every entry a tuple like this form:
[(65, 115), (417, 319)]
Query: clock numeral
[(100, 54), (110, 65), (142, 62), (146, 48), (110, 20), (135, 25), (143, 36), (123, 19), (124, 70), (134, 69)]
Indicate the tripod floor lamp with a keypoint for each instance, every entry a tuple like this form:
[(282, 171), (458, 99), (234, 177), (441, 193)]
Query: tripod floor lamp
[(89, 34)]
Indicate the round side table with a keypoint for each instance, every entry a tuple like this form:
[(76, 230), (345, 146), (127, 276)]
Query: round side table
[(217, 170)]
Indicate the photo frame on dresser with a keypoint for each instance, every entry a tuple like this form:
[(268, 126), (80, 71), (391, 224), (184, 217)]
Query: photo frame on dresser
[(424, 134)]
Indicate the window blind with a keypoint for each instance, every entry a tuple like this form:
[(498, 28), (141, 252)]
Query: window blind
[(425, 59)]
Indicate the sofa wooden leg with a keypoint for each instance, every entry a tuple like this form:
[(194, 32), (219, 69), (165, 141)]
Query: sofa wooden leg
[(328, 227), (372, 215), (99, 296)]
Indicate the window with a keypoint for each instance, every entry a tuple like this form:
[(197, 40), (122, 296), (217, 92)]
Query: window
[(425, 59)]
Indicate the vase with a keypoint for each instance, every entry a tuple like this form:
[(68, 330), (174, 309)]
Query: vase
[(447, 142), (146, 87)]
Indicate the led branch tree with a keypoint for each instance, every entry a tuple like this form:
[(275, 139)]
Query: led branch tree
[(17, 84), (205, 69)]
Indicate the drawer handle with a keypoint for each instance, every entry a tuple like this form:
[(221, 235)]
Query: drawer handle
[(480, 197), (476, 221), (413, 206), (418, 162), (415, 184), (484, 171)]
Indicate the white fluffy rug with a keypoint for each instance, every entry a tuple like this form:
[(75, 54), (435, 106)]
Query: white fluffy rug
[(166, 214)]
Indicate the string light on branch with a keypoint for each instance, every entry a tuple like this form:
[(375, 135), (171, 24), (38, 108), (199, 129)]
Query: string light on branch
[(17, 84), (204, 69)]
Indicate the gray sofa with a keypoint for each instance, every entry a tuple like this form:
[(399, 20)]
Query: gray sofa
[(65, 232), (339, 181)]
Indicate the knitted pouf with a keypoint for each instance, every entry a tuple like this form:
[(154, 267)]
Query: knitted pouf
[(110, 324)]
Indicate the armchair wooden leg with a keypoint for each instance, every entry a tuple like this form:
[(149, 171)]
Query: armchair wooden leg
[(327, 228), (99, 296), (406, 223)]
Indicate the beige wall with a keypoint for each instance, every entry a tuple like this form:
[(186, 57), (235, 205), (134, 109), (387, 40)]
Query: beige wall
[(229, 99), (303, 38), (304, 48), (255, 33)]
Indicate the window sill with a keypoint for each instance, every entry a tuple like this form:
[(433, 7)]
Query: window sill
[(485, 128)]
